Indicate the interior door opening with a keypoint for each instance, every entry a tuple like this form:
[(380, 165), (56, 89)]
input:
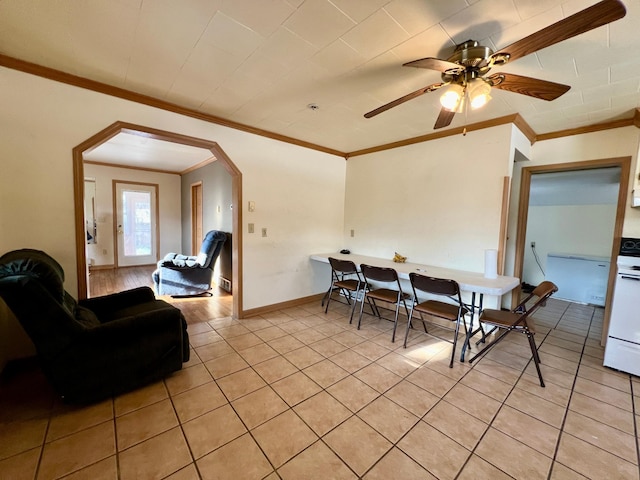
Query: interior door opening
[(523, 242)]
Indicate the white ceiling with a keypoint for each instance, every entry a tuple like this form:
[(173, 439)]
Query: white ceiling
[(139, 151), (261, 62), (598, 186)]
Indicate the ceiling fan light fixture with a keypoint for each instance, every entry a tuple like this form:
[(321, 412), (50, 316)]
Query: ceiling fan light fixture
[(452, 97), (479, 92)]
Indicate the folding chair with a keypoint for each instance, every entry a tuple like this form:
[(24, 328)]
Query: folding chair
[(518, 320), (346, 279), (449, 307), (392, 293)]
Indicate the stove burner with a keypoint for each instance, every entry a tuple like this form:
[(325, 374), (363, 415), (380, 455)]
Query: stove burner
[(630, 247)]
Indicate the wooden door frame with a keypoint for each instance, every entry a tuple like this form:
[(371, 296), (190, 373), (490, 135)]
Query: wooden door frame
[(196, 218), (218, 153), (523, 213)]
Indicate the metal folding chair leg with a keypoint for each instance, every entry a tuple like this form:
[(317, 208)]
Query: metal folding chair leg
[(455, 341), (488, 347), (406, 333), (362, 311), (395, 322), (536, 357)]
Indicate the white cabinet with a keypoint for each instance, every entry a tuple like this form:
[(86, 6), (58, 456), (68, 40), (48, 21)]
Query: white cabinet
[(580, 278)]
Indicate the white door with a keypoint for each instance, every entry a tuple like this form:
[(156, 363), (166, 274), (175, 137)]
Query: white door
[(136, 223)]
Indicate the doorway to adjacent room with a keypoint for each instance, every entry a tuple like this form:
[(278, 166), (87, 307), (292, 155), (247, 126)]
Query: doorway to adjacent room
[(218, 155), (624, 164)]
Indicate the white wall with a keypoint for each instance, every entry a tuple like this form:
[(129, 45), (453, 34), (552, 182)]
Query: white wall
[(299, 199), (437, 203), (574, 229), (299, 193), (169, 214)]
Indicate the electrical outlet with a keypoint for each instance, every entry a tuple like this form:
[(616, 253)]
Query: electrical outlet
[(533, 244), (251, 228), (353, 232), (264, 232)]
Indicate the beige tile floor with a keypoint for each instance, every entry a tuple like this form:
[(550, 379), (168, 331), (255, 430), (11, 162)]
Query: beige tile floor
[(298, 394)]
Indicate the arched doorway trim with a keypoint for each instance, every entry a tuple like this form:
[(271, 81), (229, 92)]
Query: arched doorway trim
[(219, 154)]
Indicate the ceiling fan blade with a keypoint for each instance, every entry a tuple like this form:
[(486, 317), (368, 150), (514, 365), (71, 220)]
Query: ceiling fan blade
[(444, 118), (435, 64), (595, 16), (398, 101), (532, 87)]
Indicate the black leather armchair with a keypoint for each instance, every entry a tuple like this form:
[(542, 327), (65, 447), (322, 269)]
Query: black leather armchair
[(181, 275), (97, 347)]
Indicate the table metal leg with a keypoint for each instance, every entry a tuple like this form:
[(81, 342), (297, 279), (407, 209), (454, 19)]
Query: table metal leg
[(470, 331)]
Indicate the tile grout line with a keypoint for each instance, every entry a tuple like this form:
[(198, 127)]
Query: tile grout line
[(115, 435), (635, 423), (502, 405), (184, 435), (352, 414), (489, 425), (394, 444), (323, 389), (575, 379), (289, 407), (229, 402), (371, 362), (566, 412), (44, 442)]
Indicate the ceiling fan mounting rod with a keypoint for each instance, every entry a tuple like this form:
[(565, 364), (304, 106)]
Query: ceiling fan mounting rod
[(474, 60), (470, 54)]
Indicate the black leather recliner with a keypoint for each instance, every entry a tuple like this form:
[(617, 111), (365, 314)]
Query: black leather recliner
[(184, 275), (94, 348)]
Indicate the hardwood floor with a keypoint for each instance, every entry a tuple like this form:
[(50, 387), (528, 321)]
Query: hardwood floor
[(195, 309)]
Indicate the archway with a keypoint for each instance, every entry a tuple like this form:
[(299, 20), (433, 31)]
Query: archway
[(217, 152)]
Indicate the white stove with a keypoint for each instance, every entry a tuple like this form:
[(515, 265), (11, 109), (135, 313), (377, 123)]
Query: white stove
[(622, 351), (628, 265)]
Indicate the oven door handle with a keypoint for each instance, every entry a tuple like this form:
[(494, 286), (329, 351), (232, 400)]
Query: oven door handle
[(628, 277)]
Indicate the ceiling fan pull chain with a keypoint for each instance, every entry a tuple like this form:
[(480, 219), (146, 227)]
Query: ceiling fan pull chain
[(466, 111)]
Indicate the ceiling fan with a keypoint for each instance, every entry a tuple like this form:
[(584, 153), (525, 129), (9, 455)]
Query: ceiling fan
[(465, 74)]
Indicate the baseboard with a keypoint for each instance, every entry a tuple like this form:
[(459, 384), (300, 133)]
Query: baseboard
[(101, 267), (279, 306)]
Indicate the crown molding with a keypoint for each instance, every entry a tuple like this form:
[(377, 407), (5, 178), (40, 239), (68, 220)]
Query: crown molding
[(434, 136), (625, 122), (516, 119), (524, 127), (81, 82)]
